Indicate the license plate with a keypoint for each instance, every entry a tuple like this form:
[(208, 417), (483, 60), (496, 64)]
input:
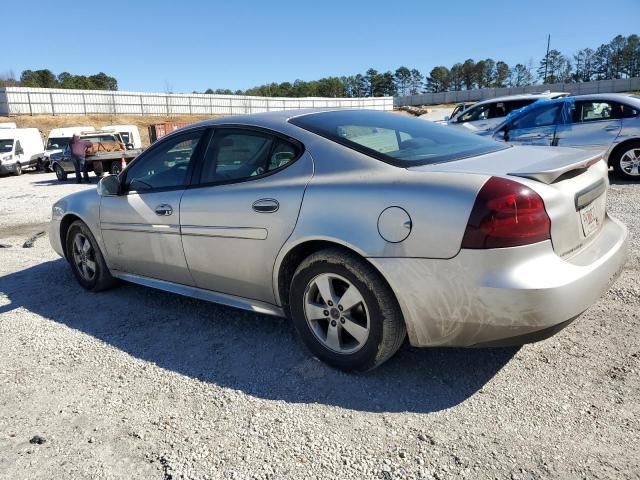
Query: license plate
[(589, 218)]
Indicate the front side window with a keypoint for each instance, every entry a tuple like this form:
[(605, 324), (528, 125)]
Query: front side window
[(237, 154), (6, 145), (396, 139), (164, 166), (481, 112), (537, 117)]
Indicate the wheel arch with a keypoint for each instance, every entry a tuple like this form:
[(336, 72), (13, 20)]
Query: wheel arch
[(289, 260), (619, 148), (65, 224)]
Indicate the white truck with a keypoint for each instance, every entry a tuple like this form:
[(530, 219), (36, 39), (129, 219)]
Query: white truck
[(20, 148), (58, 140), (129, 133)]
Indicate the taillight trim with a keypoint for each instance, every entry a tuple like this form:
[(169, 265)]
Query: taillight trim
[(505, 214)]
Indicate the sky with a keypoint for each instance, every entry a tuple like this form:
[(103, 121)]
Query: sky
[(187, 45)]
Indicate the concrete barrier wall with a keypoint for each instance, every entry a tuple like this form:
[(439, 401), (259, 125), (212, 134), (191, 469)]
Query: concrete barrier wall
[(52, 101), (600, 86)]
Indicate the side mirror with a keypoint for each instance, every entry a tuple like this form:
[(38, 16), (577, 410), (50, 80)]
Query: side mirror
[(446, 118), (129, 146), (19, 151), (109, 186)]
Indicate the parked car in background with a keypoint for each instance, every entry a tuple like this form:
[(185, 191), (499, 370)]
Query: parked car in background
[(8, 125), (57, 141), (20, 148), (362, 226), (107, 154), (608, 122), (488, 114), (129, 133)]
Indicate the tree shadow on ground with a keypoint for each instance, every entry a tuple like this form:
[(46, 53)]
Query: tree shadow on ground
[(241, 350)]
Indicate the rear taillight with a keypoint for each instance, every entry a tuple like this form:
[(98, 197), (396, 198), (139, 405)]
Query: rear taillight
[(506, 214)]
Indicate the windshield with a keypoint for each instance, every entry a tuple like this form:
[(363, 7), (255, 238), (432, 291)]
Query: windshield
[(396, 139), (6, 145), (57, 143)]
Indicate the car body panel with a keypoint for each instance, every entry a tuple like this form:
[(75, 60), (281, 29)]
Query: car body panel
[(220, 219)]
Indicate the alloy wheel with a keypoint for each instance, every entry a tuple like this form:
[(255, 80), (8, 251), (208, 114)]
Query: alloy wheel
[(630, 162), (337, 313), (84, 257)]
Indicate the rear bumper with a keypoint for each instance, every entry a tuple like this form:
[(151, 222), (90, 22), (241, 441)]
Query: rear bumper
[(503, 296)]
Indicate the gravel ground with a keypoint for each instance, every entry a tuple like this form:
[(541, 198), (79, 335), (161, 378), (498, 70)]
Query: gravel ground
[(140, 384)]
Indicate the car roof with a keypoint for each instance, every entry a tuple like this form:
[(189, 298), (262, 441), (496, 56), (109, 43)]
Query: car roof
[(522, 96)]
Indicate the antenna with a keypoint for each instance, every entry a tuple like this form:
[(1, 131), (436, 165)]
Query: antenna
[(546, 59)]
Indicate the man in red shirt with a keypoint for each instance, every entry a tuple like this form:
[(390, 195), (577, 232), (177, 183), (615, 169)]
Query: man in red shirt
[(78, 151)]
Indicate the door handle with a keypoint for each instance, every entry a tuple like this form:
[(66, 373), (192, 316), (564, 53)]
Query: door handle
[(266, 205), (164, 210), (611, 128)]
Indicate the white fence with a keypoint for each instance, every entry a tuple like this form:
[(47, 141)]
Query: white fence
[(52, 101), (599, 86)]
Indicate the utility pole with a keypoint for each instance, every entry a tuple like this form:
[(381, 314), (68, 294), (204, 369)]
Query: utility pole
[(546, 59)]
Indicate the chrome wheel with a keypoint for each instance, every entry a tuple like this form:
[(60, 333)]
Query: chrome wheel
[(84, 257), (336, 313), (630, 162)]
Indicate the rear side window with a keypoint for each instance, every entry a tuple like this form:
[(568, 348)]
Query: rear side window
[(593, 111), (396, 139), (237, 154)]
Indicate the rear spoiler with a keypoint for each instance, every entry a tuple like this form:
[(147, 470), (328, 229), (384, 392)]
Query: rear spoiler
[(548, 171)]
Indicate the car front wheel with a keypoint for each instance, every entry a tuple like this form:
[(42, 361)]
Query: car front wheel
[(344, 311), (17, 169), (626, 162), (85, 257)]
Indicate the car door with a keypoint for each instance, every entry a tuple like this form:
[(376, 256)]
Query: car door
[(535, 126), (235, 221), (141, 227), (592, 124)]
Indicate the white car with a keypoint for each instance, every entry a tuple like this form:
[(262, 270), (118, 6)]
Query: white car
[(488, 114), (20, 148)]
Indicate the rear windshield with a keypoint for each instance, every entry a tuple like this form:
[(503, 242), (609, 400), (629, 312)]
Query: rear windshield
[(396, 139)]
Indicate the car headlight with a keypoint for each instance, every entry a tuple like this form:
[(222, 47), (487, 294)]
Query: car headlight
[(7, 157)]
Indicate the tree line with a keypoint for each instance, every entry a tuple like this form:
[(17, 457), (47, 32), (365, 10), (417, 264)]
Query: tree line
[(47, 79), (619, 58)]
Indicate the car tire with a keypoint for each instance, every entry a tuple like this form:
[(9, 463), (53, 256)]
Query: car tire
[(40, 165), (98, 170), (86, 260), (60, 173), (623, 163), (116, 167), (17, 170), (357, 336)]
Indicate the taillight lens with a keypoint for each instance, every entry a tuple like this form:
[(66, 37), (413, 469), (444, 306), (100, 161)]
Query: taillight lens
[(506, 214)]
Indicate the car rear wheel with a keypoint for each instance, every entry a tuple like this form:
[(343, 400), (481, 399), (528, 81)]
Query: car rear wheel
[(17, 169), (85, 257), (344, 312), (60, 173), (626, 162)]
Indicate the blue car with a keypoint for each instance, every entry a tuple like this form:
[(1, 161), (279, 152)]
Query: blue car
[(606, 122)]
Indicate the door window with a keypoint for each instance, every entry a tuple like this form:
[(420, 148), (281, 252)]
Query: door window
[(19, 150), (538, 117), (166, 165), (592, 111), (241, 154), (481, 112)]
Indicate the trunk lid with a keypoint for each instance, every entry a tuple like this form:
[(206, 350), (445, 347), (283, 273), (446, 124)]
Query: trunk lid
[(571, 182)]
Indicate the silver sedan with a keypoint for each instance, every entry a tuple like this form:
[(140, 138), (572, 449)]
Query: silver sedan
[(363, 227)]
